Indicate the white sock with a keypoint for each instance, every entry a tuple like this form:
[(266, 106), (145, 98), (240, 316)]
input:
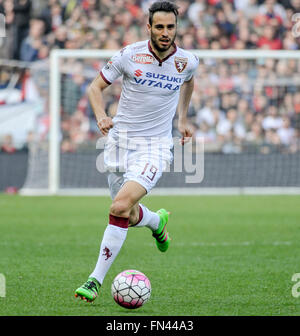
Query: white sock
[(113, 239), (148, 218)]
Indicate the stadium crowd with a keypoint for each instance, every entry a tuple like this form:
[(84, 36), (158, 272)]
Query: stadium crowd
[(236, 106)]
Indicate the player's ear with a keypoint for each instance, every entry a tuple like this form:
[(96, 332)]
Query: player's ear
[(148, 27)]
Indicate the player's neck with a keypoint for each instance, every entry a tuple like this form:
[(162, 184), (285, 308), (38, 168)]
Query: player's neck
[(164, 54)]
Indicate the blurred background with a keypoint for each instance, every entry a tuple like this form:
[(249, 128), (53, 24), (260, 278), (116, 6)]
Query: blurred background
[(245, 107)]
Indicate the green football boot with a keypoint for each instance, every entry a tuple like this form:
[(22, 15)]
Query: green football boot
[(161, 235), (89, 290)]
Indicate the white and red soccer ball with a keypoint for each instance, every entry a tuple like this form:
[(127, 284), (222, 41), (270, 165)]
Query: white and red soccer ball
[(131, 289)]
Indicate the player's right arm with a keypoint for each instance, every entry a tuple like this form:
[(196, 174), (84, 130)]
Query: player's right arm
[(97, 102), (110, 72)]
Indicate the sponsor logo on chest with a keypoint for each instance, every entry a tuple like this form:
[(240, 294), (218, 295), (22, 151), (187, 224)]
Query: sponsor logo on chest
[(157, 80), (143, 58)]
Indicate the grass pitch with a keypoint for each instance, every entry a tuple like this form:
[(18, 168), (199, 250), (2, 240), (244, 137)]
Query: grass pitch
[(229, 255)]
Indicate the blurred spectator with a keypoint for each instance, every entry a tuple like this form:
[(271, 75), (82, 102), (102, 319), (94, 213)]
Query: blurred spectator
[(207, 114), (255, 135), (224, 23), (207, 133), (235, 101), (286, 132), (231, 125), (17, 15), (79, 127), (269, 40), (294, 5), (34, 41), (21, 12), (56, 16), (273, 11), (7, 43), (249, 8), (7, 145), (241, 4), (195, 10), (212, 24), (272, 138), (297, 103), (272, 120)]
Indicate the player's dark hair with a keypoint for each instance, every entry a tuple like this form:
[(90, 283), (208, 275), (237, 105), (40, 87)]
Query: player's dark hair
[(162, 6)]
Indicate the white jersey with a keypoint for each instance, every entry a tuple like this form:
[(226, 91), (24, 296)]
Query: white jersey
[(150, 88)]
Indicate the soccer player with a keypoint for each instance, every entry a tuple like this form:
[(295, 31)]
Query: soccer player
[(157, 82)]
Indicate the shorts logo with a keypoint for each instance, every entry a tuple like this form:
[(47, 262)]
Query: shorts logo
[(143, 58), (138, 73), (180, 63)]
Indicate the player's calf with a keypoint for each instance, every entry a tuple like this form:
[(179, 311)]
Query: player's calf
[(135, 215)]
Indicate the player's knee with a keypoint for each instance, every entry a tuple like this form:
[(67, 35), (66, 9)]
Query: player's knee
[(120, 208)]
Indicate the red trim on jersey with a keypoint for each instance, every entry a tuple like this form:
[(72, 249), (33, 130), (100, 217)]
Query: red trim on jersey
[(164, 59), (119, 221), (103, 77)]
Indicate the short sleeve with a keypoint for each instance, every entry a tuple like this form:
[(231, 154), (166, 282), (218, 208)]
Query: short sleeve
[(192, 68), (113, 68)]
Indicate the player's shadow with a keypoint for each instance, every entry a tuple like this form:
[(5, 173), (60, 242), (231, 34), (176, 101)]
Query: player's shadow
[(118, 311)]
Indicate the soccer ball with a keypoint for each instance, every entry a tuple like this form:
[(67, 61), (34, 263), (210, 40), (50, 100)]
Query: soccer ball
[(131, 289)]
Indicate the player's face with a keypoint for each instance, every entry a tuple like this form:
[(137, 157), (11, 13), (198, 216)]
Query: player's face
[(163, 30)]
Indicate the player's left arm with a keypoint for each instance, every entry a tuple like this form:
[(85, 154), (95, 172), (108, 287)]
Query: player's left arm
[(182, 110)]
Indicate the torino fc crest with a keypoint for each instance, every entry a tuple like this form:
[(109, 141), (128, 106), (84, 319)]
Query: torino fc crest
[(180, 63)]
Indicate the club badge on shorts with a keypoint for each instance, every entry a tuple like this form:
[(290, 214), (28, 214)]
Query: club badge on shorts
[(180, 63)]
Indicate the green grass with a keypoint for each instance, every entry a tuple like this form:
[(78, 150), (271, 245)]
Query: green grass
[(229, 255)]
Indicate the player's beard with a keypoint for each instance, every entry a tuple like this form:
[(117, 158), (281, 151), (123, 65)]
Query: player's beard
[(157, 47)]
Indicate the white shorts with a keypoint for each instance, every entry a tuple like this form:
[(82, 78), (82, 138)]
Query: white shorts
[(144, 165)]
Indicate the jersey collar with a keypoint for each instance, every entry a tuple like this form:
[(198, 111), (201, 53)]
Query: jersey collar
[(164, 59)]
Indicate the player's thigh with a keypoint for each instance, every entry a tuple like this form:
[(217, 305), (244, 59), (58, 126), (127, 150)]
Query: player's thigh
[(146, 168), (115, 182)]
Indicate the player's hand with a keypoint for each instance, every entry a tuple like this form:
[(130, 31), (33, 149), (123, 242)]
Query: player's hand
[(186, 131), (105, 124)]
